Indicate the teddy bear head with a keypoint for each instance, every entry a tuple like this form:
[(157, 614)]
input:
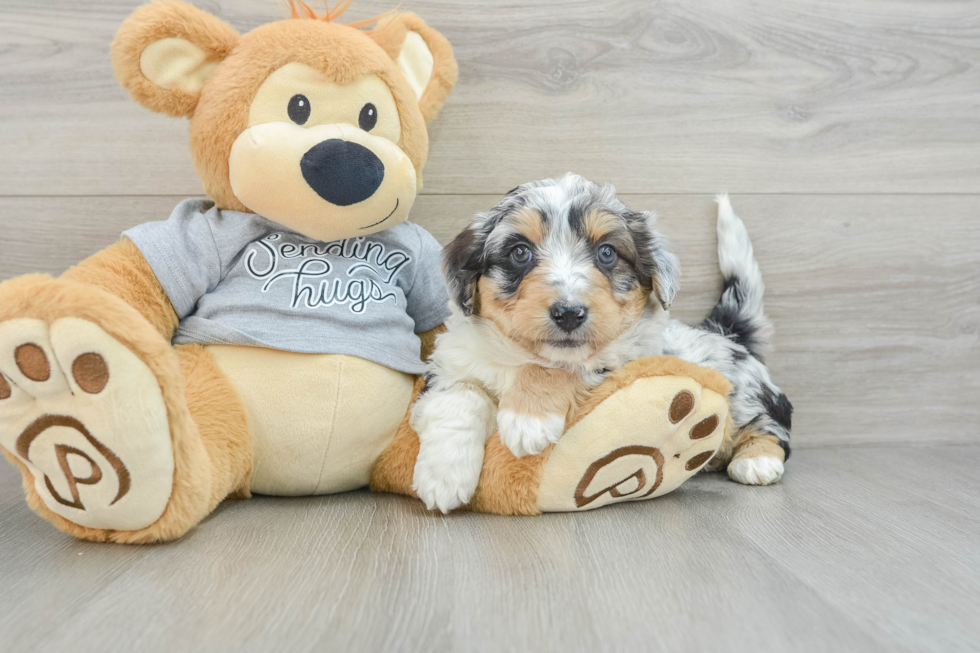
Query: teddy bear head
[(316, 125)]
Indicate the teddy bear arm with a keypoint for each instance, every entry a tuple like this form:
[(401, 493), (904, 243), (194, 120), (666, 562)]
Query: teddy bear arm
[(121, 269), (428, 339)]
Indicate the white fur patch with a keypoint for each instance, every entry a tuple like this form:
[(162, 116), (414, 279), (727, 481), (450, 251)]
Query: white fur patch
[(526, 435), (763, 470), (453, 426)]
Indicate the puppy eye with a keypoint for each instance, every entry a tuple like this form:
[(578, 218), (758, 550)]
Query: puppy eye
[(299, 109), (606, 255), (368, 118), (521, 255)]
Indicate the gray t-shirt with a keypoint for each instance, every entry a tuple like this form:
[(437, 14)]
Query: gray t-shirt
[(238, 279)]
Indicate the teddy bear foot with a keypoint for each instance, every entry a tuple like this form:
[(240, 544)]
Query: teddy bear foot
[(645, 430), (86, 420), (640, 442)]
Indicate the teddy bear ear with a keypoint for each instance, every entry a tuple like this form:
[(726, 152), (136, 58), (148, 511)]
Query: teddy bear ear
[(164, 53), (423, 55)]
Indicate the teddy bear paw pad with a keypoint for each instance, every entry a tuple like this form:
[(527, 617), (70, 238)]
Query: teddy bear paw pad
[(641, 442), (87, 418)]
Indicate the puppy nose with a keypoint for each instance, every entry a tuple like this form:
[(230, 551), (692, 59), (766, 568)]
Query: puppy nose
[(342, 172), (568, 318)]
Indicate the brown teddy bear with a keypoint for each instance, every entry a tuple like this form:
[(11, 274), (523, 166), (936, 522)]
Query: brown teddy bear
[(271, 339)]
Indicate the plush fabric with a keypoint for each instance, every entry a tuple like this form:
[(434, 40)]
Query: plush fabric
[(317, 422), (629, 448), (222, 422), (630, 410), (390, 35), (122, 271), (94, 459), (43, 298), (167, 20)]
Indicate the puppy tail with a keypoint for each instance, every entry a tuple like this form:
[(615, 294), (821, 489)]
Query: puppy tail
[(739, 314)]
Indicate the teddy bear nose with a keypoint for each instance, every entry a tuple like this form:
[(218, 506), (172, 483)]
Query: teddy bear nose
[(342, 172)]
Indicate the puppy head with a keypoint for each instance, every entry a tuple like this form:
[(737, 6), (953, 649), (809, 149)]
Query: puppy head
[(562, 267)]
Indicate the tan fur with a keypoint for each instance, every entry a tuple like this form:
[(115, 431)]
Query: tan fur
[(428, 339), (524, 317), (611, 316), (646, 367), (509, 485), (750, 443), (340, 53), (725, 451), (121, 270), (538, 391), (220, 417), (598, 224), (160, 20), (395, 467), (528, 222)]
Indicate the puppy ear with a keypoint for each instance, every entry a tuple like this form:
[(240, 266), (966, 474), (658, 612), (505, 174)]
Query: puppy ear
[(668, 276), (654, 256), (424, 57), (462, 265), (164, 53)]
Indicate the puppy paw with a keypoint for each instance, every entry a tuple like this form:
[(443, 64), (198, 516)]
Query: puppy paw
[(440, 493), (447, 471), (526, 435), (763, 470)]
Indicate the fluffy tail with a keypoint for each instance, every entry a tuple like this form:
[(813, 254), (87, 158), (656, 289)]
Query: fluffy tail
[(739, 314)]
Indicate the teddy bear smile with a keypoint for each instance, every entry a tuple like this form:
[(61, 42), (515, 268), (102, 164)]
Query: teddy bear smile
[(385, 218)]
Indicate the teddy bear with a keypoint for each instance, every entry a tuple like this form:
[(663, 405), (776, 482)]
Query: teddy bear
[(271, 339)]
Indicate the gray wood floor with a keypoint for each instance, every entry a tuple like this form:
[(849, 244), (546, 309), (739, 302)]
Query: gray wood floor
[(847, 132), (857, 549)]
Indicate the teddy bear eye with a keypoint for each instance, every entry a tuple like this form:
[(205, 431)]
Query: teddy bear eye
[(299, 109), (368, 118)]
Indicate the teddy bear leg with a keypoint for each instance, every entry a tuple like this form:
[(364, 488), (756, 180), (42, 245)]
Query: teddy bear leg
[(221, 421), (643, 432), (93, 411), (395, 466)]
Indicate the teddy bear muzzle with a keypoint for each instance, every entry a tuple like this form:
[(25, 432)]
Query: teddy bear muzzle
[(327, 182)]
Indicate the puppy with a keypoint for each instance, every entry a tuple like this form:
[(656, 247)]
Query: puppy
[(554, 288)]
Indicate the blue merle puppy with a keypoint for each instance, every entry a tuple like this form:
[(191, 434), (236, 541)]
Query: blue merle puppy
[(563, 279)]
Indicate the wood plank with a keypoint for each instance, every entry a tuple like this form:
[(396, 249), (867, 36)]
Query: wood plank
[(876, 300), (769, 96), (830, 559)]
